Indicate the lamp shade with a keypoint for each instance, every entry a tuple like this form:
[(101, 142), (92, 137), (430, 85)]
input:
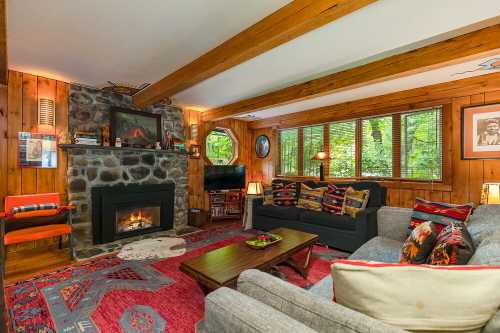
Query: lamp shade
[(490, 194), (320, 156), (255, 188)]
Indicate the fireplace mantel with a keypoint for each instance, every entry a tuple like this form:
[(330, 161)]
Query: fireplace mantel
[(90, 147)]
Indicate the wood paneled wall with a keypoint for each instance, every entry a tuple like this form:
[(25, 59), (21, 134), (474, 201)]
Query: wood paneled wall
[(465, 177), (197, 196), (22, 94)]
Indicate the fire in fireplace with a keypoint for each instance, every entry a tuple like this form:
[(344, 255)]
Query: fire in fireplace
[(131, 219)]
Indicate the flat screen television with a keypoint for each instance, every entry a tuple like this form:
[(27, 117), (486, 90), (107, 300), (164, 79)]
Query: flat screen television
[(224, 177)]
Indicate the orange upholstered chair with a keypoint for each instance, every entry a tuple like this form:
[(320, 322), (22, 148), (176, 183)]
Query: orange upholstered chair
[(31, 225)]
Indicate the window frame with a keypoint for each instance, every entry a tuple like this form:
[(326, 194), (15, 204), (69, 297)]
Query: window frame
[(233, 138), (396, 146)]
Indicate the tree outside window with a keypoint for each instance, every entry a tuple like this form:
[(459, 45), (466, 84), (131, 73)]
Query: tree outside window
[(221, 147)]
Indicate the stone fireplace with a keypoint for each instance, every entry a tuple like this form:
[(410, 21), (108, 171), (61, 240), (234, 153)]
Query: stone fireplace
[(125, 211)]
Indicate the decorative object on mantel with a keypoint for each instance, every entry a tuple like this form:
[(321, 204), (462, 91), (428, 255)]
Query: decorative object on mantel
[(155, 248), (75, 146), (262, 146), (138, 129), (321, 156), (118, 142), (195, 151), (105, 136), (169, 141), (481, 132), (37, 150), (158, 145), (85, 138), (179, 145), (490, 194)]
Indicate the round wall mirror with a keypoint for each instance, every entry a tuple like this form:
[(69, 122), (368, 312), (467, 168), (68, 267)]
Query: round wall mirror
[(221, 147)]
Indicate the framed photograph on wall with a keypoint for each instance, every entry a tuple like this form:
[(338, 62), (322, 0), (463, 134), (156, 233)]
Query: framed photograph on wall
[(195, 151), (262, 146), (481, 132), (37, 150)]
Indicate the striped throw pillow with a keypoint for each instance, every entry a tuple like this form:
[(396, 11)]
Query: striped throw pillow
[(284, 192), (333, 199), (355, 201), (30, 208), (311, 198), (442, 214)]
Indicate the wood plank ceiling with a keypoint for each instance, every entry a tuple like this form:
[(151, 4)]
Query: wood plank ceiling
[(287, 23)]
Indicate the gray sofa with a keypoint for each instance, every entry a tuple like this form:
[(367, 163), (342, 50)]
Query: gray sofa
[(263, 303)]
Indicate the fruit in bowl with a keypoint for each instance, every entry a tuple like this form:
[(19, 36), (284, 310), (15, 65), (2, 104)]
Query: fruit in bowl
[(263, 240)]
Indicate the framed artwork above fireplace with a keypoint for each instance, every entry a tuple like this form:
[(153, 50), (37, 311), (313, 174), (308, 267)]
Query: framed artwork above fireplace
[(135, 128)]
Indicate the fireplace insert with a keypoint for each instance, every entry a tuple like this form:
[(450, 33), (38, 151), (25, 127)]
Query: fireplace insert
[(123, 211)]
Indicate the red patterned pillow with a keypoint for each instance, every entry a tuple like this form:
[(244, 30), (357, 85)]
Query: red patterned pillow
[(453, 246), (284, 192), (440, 213), (333, 199), (419, 244)]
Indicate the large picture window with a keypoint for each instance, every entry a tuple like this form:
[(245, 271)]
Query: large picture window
[(406, 145)]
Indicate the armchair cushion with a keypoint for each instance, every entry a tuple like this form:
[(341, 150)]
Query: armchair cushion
[(344, 222), (34, 207), (36, 233), (60, 217)]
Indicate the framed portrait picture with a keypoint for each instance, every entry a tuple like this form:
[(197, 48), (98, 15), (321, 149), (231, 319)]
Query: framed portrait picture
[(195, 151), (481, 132), (37, 150), (136, 129), (262, 146)]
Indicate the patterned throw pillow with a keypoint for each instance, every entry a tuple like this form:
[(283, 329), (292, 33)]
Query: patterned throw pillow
[(311, 198), (284, 192), (440, 213), (30, 208), (355, 201), (419, 244), (268, 195), (453, 246), (333, 199)]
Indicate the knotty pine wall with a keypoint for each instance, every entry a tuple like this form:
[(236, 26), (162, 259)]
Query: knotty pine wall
[(465, 177), (19, 107)]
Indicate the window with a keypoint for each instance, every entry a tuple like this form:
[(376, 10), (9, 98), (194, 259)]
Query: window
[(421, 144), (289, 152), (376, 147), (343, 149), (312, 141), (221, 147), (406, 145)]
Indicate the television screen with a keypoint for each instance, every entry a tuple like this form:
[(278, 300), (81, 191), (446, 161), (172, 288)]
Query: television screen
[(224, 177)]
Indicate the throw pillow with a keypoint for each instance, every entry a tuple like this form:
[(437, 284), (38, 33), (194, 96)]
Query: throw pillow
[(268, 195), (453, 246), (333, 199), (439, 212), (419, 244), (355, 201), (45, 209), (311, 198), (419, 297), (284, 192)]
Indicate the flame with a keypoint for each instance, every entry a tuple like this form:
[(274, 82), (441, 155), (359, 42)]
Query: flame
[(138, 219)]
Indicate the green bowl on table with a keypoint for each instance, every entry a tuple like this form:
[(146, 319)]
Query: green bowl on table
[(264, 240)]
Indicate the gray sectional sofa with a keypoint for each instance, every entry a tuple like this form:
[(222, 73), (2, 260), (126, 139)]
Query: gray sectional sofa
[(264, 303)]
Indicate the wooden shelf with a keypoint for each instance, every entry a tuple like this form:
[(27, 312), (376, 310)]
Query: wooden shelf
[(91, 147)]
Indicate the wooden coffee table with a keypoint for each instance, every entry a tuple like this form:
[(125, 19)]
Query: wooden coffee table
[(222, 267)]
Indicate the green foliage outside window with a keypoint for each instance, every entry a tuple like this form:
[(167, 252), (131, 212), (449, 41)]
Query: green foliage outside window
[(312, 143), (343, 149), (289, 148), (421, 144), (219, 146), (376, 148)]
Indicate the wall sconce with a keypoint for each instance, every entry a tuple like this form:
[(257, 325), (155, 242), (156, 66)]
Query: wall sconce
[(194, 132), (46, 112)]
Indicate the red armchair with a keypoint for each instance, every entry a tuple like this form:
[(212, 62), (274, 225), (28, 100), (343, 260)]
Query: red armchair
[(37, 224)]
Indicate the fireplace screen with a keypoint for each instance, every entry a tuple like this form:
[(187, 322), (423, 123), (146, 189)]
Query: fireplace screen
[(133, 219)]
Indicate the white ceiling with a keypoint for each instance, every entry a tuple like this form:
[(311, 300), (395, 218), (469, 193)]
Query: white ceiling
[(92, 41)]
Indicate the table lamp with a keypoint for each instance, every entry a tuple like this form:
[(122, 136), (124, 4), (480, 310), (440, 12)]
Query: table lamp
[(255, 188), (490, 194), (320, 156)]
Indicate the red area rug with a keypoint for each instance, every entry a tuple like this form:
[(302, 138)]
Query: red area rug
[(111, 295)]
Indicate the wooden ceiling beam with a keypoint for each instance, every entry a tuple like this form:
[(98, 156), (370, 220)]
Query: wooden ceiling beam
[(427, 96), (3, 44), (466, 47), (287, 23)]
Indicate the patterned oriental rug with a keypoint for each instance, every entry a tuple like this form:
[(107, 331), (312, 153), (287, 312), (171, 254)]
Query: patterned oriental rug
[(111, 295)]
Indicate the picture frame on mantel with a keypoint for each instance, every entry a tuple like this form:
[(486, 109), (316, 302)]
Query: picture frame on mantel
[(135, 128), (480, 132)]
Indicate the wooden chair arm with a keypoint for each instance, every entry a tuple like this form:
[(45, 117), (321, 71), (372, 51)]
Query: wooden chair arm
[(67, 207)]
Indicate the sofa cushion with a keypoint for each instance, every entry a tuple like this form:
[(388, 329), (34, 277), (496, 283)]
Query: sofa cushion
[(379, 249), (344, 222), (279, 212), (284, 192), (405, 295), (311, 198), (355, 201), (453, 246), (488, 252), (419, 244), (483, 222), (333, 199)]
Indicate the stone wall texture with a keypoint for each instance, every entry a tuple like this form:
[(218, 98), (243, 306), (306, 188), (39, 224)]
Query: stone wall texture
[(89, 167)]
